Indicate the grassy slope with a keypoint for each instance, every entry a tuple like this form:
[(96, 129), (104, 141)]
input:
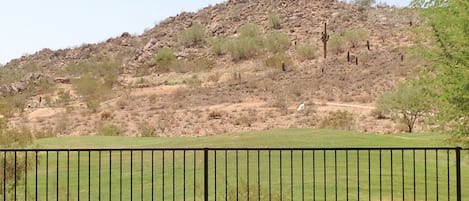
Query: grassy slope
[(275, 138), (272, 138)]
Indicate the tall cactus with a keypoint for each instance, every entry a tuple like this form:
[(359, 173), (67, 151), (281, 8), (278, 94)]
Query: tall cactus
[(324, 39)]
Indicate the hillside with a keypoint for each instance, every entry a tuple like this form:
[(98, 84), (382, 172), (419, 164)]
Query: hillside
[(120, 87)]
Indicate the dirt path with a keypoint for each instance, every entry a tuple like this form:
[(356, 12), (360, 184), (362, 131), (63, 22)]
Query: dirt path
[(366, 107)]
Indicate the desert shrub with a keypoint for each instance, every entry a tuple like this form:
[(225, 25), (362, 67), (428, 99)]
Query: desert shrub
[(106, 69), (236, 14), (354, 36), (12, 104), (217, 46), (193, 81), (274, 21), (336, 44), (247, 119), (244, 48), (249, 31), (13, 74), (92, 90), (199, 64), (96, 80), (214, 77), (164, 122), (17, 139), (279, 101), (64, 97), (110, 130), (10, 138), (276, 60), (193, 36), (306, 50), (163, 58), (6, 109), (249, 44), (145, 129), (276, 42), (215, 115), (342, 120)]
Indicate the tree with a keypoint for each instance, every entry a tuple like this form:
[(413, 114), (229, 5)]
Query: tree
[(449, 54), (407, 103)]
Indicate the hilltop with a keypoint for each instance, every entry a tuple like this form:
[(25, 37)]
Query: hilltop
[(236, 66)]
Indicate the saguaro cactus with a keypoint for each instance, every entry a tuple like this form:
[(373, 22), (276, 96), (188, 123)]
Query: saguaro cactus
[(324, 39)]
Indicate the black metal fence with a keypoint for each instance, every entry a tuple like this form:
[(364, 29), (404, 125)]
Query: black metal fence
[(274, 174)]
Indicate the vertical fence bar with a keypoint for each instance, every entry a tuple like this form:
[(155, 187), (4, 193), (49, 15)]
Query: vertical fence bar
[(392, 177), (270, 176), (195, 178), (215, 173), (226, 175), (68, 175), (335, 174), (413, 168), (152, 175), (162, 175), (237, 178), (346, 174), (47, 175), (206, 174), (131, 174), (14, 193), (403, 175), (35, 188), (57, 177), (291, 174), (425, 167), (325, 171), (247, 174), (120, 175), (314, 175), (26, 175), (436, 170), (78, 176), (358, 175), (458, 174), (369, 175), (5, 175), (448, 174), (280, 169), (302, 176), (258, 175), (89, 175), (99, 175), (141, 175), (173, 183), (184, 175), (380, 177), (110, 175)]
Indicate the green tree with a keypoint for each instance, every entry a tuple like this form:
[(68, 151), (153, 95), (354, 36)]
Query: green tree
[(407, 103), (449, 54)]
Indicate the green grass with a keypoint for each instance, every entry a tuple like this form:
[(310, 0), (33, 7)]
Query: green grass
[(324, 168), (272, 138)]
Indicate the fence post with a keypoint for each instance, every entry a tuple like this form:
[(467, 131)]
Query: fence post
[(458, 173), (206, 174)]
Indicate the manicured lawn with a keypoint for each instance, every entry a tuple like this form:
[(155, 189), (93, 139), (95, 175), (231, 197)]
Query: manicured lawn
[(315, 173)]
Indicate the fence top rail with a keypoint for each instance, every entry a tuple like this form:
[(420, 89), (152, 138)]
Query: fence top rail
[(233, 149)]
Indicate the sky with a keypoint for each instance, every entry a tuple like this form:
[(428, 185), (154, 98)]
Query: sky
[(27, 26)]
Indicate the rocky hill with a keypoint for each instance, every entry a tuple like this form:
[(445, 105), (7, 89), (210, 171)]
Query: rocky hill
[(202, 87)]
